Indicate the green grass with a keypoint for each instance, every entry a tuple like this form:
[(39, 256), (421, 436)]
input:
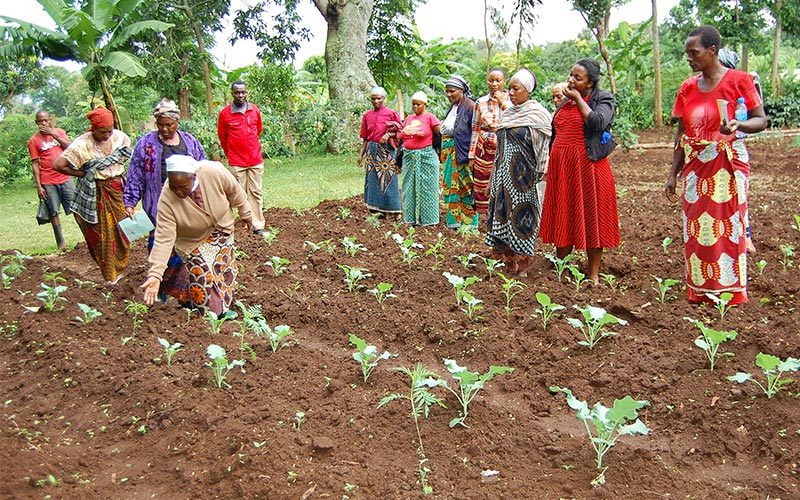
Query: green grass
[(299, 182)]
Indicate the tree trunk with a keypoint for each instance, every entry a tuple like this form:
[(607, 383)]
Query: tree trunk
[(184, 103), (774, 78), (658, 113), (349, 77), (744, 57), (109, 99), (187, 10), (489, 43), (607, 58)]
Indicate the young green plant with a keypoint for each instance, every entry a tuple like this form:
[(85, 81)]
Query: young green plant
[(353, 276), (665, 244), (609, 423), (548, 309), (593, 325), (51, 295), (511, 288), (722, 302), (278, 264), (662, 287), (472, 306), (270, 234), (220, 366), (351, 247), (560, 265), (169, 349), (435, 250), (492, 265), (381, 292), (787, 252), (215, 321), (710, 341), (89, 314), (407, 246), (773, 368), (367, 355), (460, 284), (469, 384)]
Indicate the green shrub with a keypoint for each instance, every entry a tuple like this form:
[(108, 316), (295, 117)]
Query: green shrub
[(784, 111)]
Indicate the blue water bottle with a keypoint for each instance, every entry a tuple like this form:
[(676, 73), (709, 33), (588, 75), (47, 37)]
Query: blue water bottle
[(740, 114)]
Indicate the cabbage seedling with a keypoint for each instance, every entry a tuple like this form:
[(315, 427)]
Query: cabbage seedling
[(351, 247), (596, 318), (407, 247), (215, 321), (11, 267), (89, 314), (466, 231), (469, 383), (51, 295), (315, 247), (710, 340), (721, 302), (344, 213), (610, 280), (761, 264), (299, 419), (367, 356), (278, 264), (492, 265), (373, 221), (169, 349), (787, 252), (561, 265), (220, 366), (609, 423), (460, 284), (773, 369), (796, 222), (665, 244), (435, 249), (381, 292), (473, 306), (511, 288), (353, 277), (270, 235), (578, 277), (663, 286), (277, 335), (548, 309), (466, 260)]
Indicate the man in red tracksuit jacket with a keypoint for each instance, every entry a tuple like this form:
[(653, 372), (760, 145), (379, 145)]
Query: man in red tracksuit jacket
[(239, 127)]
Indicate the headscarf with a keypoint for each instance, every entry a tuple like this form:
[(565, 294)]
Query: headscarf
[(100, 117), (181, 163), (420, 96), (458, 82), (729, 58), (526, 78), (378, 91), (167, 108)]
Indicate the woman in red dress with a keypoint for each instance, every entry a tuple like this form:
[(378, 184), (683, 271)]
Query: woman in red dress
[(715, 167), (580, 201)]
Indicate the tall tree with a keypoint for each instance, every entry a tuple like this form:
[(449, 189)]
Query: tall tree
[(391, 38), (658, 112), (96, 33), (524, 15), (492, 16), (17, 76), (596, 14)]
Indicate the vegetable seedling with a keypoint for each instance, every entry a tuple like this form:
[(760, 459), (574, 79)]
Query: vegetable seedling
[(548, 309), (220, 366), (270, 234), (761, 264), (722, 302), (710, 341), (351, 247), (278, 264), (11, 267), (138, 309), (460, 284), (467, 231), (473, 306), (435, 249), (276, 336), (492, 265), (89, 314), (51, 295), (315, 247), (353, 277), (593, 330), (373, 221), (610, 280), (367, 355), (169, 349), (796, 225), (381, 292), (215, 321), (773, 368), (561, 265), (344, 213), (665, 244), (466, 260), (662, 287), (787, 252), (299, 419), (511, 288), (578, 277), (407, 246), (609, 423), (469, 384)]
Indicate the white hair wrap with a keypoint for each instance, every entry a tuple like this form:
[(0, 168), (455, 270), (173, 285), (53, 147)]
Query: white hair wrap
[(526, 78), (181, 163)]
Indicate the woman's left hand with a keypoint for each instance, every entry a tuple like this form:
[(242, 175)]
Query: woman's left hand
[(728, 127), (572, 94), (150, 290)]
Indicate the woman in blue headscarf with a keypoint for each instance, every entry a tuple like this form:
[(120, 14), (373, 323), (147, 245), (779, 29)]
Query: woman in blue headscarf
[(456, 138)]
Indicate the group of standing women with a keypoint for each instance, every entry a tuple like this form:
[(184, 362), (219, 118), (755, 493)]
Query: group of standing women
[(497, 154)]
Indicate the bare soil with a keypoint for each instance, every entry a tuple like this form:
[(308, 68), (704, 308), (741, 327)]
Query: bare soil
[(84, 416)]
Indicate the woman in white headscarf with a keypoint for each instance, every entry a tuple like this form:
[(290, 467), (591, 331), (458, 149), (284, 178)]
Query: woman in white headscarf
[(420, 178), (195, 216), (379, 128), (523, 135)]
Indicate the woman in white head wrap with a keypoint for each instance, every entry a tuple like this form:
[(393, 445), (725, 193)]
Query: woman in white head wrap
[(420, 164), (457, 173), (523, 137), (147, 174), (195, 216), (379, 128)]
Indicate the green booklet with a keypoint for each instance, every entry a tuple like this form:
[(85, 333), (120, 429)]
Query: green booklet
[(137, 227)]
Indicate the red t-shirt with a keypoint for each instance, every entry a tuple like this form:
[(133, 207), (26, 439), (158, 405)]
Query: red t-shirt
[(373, 124), (418, 130), (46, 149)]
